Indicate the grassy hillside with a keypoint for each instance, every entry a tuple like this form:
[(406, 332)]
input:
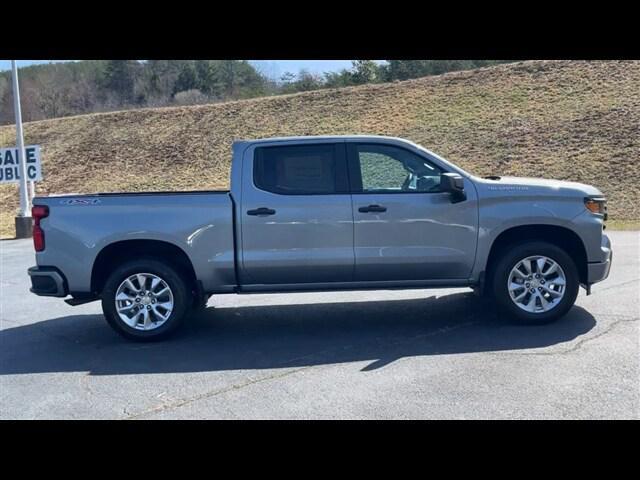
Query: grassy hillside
[(556, 119)]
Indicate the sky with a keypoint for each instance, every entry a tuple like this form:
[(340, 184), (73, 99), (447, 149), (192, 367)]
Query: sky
[(271, 68)]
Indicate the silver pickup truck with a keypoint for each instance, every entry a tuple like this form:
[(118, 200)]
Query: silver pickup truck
[(323, 213)]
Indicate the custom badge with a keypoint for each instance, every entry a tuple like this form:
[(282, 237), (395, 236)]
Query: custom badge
[(80, 201)]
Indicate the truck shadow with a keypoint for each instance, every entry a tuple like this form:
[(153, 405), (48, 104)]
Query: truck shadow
[(375, 333)]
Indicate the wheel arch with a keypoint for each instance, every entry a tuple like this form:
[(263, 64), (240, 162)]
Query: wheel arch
[(116, 253), (559, 236)]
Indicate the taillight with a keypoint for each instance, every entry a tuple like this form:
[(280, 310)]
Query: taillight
[(38, 212)]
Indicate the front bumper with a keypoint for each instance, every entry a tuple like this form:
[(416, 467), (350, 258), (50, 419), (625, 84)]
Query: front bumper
[(47, 282), (598, 271)]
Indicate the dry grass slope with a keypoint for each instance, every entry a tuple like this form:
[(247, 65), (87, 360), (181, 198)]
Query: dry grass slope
[(556, 119)]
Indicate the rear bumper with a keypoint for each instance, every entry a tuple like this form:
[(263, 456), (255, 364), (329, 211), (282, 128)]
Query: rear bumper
[(47, 282), (598, 271)]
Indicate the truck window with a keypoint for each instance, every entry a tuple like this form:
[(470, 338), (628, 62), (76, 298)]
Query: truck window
[(389, 169), (296, 170)]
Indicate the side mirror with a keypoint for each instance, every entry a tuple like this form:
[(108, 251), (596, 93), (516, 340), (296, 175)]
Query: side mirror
[(453, 183)]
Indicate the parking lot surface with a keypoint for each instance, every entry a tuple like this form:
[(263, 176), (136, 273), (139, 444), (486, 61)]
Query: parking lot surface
[(364, 355)]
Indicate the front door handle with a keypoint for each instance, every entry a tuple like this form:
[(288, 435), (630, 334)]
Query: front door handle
[(261, 212), (372, 208)]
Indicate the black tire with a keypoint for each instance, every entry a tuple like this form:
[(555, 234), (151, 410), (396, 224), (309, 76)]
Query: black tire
[(511, 256), (182, 298)]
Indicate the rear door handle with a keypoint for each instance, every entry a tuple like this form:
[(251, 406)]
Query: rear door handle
[(262, 211), (372, 208)]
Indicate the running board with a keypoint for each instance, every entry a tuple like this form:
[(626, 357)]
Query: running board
[(75, 301)]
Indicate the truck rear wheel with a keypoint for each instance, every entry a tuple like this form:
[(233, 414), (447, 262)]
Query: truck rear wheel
[(535, 282), (145, 299)]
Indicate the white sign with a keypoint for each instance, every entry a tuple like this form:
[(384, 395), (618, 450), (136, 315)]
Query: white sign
[(10, 166)]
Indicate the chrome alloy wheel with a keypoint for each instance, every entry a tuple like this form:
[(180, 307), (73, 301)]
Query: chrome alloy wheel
[(144, 301), (537, 284)]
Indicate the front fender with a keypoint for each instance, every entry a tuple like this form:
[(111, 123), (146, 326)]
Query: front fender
[(498, 215)]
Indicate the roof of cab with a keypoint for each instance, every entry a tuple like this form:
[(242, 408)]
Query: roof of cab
[(322, 137)]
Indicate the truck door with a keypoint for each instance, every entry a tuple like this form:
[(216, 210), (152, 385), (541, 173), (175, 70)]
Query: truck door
[(404, 227), (295, 214)]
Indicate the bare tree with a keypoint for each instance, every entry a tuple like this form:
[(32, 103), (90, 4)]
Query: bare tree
[(52, 93), (190, 97)]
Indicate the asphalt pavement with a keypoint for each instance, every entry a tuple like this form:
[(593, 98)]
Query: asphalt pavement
[(355, 355)]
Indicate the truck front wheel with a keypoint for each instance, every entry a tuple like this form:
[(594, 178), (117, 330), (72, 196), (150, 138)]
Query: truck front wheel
[(535, 282), (145, 299)]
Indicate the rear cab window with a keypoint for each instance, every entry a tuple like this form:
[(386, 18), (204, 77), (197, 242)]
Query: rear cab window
[(310, 169)]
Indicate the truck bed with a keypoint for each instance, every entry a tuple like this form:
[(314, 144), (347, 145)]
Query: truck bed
[(129, 194), (200, 223)]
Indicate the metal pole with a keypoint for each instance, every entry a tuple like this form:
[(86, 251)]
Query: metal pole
[(24, 227), (25, 210)]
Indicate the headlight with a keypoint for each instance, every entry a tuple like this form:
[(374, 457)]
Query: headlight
[(596, 205)]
